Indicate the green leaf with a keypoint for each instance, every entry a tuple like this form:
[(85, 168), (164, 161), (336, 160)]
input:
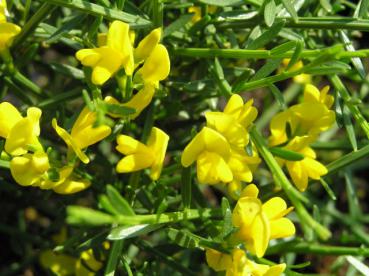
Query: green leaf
[(227, 220), (177, 24), (86, 216), (186, 187), (221, 3), (355, 60), (117, 109), (291, 9), (182, 238), (349, 127), (269, 67), (105, 203), (362, 9), (328, 189), (114, 256), (286, 154), (66, 27), (269, 12), (278, 96), (124, 232), (326, 5), (67, 70), (118, 202), (296, 54), (111, 14), (267, 36), (283, 48)]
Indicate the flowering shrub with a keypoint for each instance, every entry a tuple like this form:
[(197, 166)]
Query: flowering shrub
[(186, 137)]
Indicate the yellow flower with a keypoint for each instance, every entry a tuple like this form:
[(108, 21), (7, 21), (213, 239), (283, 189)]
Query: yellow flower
[(29, 169), (147, 45), (244, 114), (241, 266), (83, 133), (67, 182), (197, 13), (138, 102), (237, 264), (8, 31), (301, 78), (20, 133), (258, 223), (242, 166), (156, 66), (219, 148), (60, 264), (211, 151), (300, 118), (108, 59), (87, 265), (313, 95), (141, 156), (301, 171), (217, 260)]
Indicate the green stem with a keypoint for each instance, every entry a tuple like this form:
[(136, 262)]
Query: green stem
[(158, 15), (115, 253), (347, 159), (306, 248), (290, 191), (86, 216), (344, 93), (258, 54), (43, 12), (333, 23)]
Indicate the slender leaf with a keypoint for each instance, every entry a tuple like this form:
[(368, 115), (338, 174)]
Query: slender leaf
[(124, 232), (118, 202), (267, 36), (291, 9), (269, 12)]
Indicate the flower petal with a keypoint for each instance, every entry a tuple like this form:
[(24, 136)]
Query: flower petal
[(245, 211), (71, 186), (158, 143), (250, 191), (140, 100), (218, 260), (67, 138), (274, 207), (135, 162), (128, 145), (147, 45), (281, 228), (260, 233), (9, 116), (212, 169), (156, 66)]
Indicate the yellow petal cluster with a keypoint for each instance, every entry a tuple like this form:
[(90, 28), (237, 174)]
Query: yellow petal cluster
[(300, 125), (258, 223), (301, 171), (8, 31), (237, 264), (141, 156), (83, 134), (117, 51), (29, 164), (300, 118), (20, 133), (87, 264), (218, 149)]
